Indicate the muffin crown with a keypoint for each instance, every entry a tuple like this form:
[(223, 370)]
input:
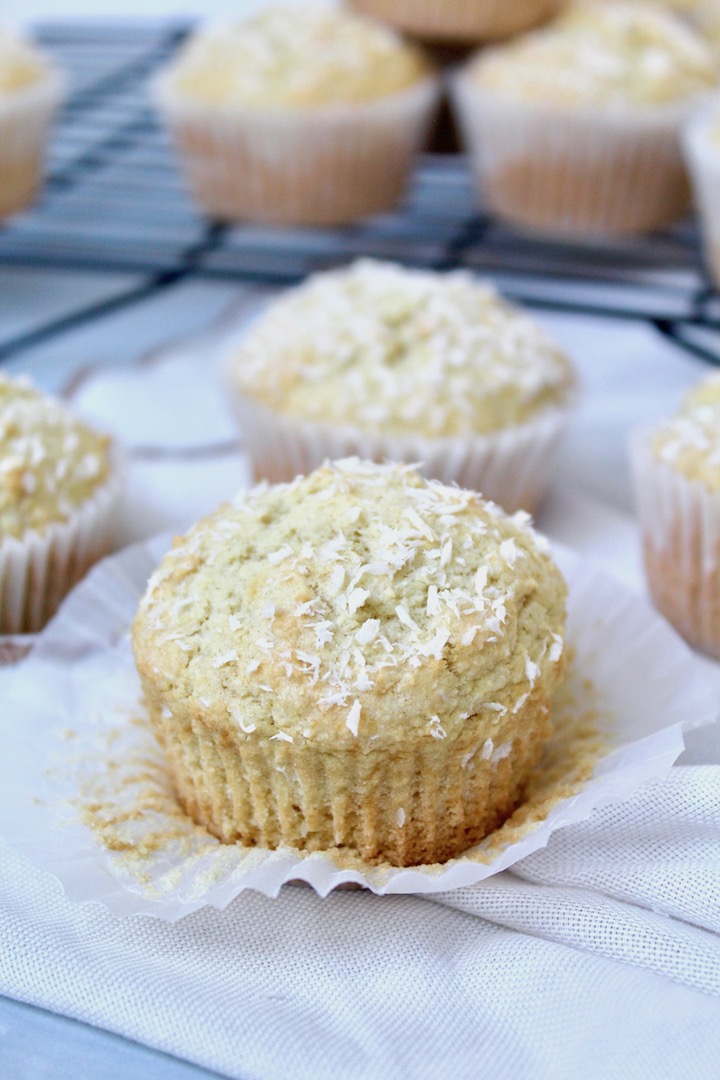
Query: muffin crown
[(50, 463), (605, 54), (361, 601), (409, 351), (690, 441), (21, 64), (294, 56)]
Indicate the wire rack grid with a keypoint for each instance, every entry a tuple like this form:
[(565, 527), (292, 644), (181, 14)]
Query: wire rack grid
[(114, 202)]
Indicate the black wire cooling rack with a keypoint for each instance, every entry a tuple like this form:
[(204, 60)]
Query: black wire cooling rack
[(114, 202)]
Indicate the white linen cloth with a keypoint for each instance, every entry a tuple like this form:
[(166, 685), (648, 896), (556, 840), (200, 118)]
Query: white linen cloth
[(597, 957)]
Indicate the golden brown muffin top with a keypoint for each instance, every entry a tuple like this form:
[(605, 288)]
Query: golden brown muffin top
[(50, 462), (375, 345), (359, 602), (603, 54), (294, 56)]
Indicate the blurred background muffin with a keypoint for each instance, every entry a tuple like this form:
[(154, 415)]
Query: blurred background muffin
[(701, 140), (397, 364), (676, 468), (298, 115), (461, 21), (574, 130), (59, 491), (31, 89)]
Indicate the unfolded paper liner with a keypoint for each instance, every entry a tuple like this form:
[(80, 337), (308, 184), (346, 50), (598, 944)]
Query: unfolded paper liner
[(38, 569), (73, 696), (680, 523), (466, 21), (25, 118), (702, 154), (575, 172), (512, 467), (314, 166)]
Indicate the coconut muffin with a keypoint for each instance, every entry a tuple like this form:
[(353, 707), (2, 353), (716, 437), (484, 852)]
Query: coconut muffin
[(574, 129), (59, 489), (31, 89), (461, 21), (298, 115), (701, 144), (413, 365), (359, 659), (677, 479)]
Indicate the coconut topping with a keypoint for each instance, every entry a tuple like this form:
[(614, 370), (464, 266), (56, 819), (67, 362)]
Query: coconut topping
[(690, 441), (604, 54), (50, 463), (408, 620), (411, 351), (299, 57)]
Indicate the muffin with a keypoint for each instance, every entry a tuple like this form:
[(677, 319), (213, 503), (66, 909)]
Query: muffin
[(30, 92), (676, 467), (298, 116), (461, 21), (701, 143), (574, 130), (410, 365), (59, 489), (360, 659)]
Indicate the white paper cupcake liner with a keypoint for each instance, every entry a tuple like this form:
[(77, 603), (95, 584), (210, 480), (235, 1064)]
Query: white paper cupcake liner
[(512, 467), (702, 154), (25, 118), (461, 20), (680, 524), (321, 166), (37, 570), (99, 771), (573, 172)]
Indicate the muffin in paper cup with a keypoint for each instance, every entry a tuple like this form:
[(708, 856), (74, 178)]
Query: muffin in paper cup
[(701, 141), (511, 467), (60, 486), (308, 117), (461, 21), (393, 364), (359, 659), (96, 807), (676, 471), (31, 89), (574, 130)]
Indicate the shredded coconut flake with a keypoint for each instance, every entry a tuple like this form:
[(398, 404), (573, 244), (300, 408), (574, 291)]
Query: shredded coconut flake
[(281, 736), (280, 555), (353, 717), (556, 649), (405, 618), (225, 658), (356, 599)]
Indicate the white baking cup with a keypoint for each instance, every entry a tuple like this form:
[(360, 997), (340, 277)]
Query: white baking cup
[(461, 20), (38, 569), (25, 118), (680, 524), (512, 467), (314, 166), (576, 171), (80, 679), (702, 154)]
